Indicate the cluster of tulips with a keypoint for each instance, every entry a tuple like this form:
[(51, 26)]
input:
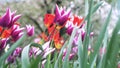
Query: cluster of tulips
[(59, 27)]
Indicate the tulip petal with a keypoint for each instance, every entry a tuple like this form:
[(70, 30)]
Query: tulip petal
[(6, 18)]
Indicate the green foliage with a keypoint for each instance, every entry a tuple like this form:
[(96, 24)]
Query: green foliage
[(15, 45), (69, 45), (25, 57)]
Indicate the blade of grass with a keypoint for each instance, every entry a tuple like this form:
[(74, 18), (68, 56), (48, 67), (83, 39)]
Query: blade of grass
[(48, 64), (95, 8), (75, 64), (86, 41), (18, 63), (35, 62), (100, 38), (25, 57), (86, 7), (80, 51), (107, 58), (66, 60), (102, 58), (60, 61), (54, 59), (6, 65), (113, 48), (12, 48), (94, 61)]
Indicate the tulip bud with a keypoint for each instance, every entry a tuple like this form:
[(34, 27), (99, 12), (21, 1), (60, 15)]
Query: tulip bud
[(30, 30), (3, 43)]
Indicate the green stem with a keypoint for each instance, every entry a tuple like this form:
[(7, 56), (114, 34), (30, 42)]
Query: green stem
[(86, 41)]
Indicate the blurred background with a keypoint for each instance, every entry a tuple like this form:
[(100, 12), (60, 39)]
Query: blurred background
[(33, 11)]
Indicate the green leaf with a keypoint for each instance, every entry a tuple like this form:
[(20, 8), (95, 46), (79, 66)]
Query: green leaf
[(113, 48), (94, 61), (12, 48), (35, 62), (66, 60), (48, 63), (25, 57), (103, 56), (37, 45), (95, 8), (6, 65), (86, 7), (80, 51), (87, 36), (75, 64), (18, 63), (100, 38)]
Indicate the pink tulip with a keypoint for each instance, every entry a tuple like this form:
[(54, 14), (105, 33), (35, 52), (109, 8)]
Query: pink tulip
[(61, 16), (8, 19), (3, 43), (30, 30)]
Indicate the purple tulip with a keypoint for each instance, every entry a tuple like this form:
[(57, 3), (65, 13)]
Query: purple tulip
[(46, 50), (73, 53), (16, 33), (13, 20), (11, 59), (33, 51), (75, 49), (75, 41), (3, 43), (83, 35), (69, 30), (82, 32), (61, 16), (8, 19), (30, 30), (14, 27), (17, 51), (69, 27)]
